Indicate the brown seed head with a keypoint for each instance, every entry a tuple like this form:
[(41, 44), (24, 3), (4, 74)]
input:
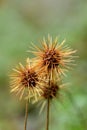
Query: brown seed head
[(51, 91), (25, 81), (54, 56)]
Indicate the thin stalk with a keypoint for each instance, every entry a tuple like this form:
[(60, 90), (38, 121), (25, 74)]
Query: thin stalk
[(48, 110), (26, 115)]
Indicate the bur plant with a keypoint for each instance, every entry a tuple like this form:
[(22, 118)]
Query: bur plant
[(39, 80)]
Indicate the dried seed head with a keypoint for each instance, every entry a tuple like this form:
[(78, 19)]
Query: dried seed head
[(25, 81), (50, 92), (54, 56)]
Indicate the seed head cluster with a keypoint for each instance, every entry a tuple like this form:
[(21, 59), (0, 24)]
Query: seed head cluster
[(41, 75)]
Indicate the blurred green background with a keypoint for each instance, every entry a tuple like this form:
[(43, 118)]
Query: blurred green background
[(23, 21)]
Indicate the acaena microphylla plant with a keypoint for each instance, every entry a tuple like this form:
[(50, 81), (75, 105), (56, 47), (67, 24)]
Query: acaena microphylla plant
[(39, 80)]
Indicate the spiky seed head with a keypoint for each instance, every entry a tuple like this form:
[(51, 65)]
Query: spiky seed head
[(25, 81), (54, 56), (50, 92)]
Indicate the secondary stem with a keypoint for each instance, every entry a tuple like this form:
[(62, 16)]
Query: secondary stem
[(47, 123), (26, 115)]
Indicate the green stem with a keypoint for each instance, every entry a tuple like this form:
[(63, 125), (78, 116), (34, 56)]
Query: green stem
[(48, 106), (26, 115)]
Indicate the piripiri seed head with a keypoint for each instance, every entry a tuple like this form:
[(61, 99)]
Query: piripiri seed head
[(53, 56), (26, 81), (50, 92)]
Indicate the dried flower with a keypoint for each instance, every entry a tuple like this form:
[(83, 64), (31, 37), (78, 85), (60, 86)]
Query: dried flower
[(51, 91), (53, 56), (26, 81)]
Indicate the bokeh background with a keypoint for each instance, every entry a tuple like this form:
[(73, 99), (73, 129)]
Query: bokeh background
[(23, 21)]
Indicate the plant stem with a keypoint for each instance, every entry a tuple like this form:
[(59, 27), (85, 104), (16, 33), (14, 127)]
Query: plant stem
[(26, 115), (48, 106)]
